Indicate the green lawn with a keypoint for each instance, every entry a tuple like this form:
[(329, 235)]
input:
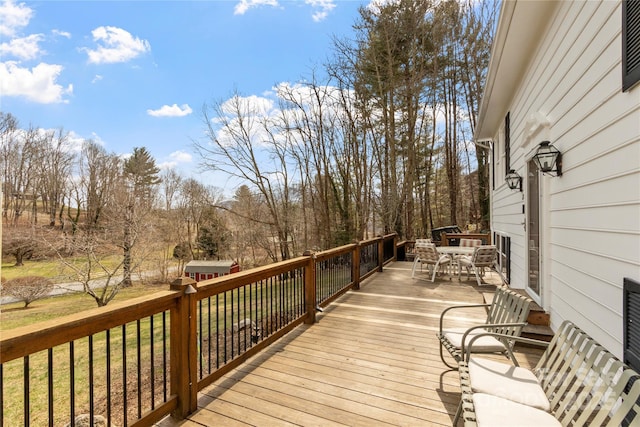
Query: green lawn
[(50, 269), (14, 315)]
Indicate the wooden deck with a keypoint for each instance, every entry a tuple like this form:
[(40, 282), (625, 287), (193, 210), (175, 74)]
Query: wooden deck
[(370, 360)]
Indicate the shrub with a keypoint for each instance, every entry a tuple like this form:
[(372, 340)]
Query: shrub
[(27, 289)]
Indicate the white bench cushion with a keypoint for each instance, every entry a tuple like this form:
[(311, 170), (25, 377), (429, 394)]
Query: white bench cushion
[(492, 411), (486, 344), (508, 381)]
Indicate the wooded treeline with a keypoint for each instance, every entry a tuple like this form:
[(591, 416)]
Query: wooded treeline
[(381, 143)]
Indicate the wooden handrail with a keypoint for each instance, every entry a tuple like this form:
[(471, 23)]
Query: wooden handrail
[(26, 340), (181, 302), (485, 237)]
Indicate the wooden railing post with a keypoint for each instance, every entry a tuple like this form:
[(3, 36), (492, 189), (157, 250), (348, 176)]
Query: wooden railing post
[(310, 287), (395, 247), (184, 381), (355, 266), (380, 253)]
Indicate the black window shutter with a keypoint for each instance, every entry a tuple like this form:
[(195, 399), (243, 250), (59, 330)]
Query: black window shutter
[(630, 43), (631, 326)]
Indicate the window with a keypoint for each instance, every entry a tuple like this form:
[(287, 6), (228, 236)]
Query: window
[(630, 43), (507, 144), (503, 246)]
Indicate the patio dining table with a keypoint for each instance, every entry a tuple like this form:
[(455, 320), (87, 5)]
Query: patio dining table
[(453, 251), (456, 250)]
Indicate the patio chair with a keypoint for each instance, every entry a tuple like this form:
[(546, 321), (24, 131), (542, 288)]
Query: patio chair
[(428, 254), (507, 313), (470, 243), (483, 256)]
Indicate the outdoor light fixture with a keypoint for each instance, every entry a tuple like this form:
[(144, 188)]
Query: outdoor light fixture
[(514, 181), (548, 159)]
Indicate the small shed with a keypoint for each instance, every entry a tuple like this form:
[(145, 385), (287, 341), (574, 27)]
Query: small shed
[(203, 270)]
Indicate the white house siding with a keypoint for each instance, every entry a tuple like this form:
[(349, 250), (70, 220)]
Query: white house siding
[(571, 95)]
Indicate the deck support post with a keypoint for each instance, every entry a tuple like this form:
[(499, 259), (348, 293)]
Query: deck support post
[(184, 380), (310, 287), (380, 254), (355, 266)]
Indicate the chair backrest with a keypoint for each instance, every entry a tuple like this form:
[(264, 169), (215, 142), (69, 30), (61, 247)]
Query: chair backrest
[(427, 253), (585, 383), (422, 242), (484, 256), (470, 243), (508, 306)]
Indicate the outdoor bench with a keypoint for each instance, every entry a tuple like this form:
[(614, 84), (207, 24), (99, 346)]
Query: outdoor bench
[(577, 382), (506, 316)]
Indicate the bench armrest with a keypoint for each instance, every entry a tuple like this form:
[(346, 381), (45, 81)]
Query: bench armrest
[(446, 310), (501, 337), (467, 353)]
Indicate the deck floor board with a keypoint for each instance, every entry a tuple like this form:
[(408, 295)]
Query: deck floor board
[(372, 359)]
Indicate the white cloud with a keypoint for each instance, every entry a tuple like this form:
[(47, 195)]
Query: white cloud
[(176, 158), (325, 7), (13, 17), (171, 111), (244, 5), (97, 78), (76, 142), (181, 156), (321, 7), (37, 84), (250, 106), (115, 45), (61, 33), (23, 48), (71, 143)]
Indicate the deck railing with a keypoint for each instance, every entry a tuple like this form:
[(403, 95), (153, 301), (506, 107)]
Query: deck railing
[(133, 363)]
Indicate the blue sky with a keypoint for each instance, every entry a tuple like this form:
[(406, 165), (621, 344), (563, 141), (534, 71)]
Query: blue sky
[(137, 73)]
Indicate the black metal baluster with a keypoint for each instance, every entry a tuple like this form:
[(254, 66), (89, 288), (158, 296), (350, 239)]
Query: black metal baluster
[(108, 369), (164, 356), (217, 331), (239, 318), (49, 386), (282, 309), (251, 316), (271, 308), (224, 301), (244, 308), (209, 333), (139, 367), (200, 338), (152, 370), (1, 396), (91, 397), (72, 383), (236, 307), (124, 374), (25, 375), (232, 333)]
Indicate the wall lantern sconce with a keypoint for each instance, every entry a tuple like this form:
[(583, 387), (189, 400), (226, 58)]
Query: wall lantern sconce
[(548, 159), (514, 181)]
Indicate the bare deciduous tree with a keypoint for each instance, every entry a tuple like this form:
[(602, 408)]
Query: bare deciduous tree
[(245, 143), (27, 289)]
